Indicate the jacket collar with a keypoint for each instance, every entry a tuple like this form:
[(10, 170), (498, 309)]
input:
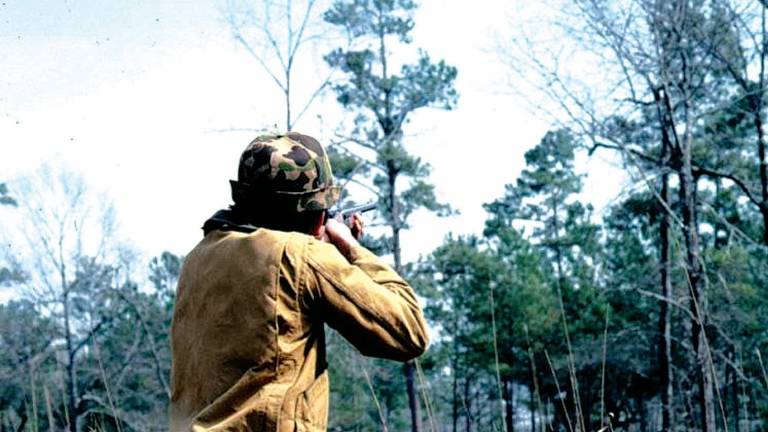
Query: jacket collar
[(228, 220)]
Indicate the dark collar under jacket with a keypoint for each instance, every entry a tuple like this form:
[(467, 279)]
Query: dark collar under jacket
[(228, 220)]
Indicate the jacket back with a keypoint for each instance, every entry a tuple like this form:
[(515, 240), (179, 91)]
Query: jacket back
[(248, 328)]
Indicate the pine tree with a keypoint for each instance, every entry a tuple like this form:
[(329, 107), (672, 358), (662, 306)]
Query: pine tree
[(384, 100), (544, 198)]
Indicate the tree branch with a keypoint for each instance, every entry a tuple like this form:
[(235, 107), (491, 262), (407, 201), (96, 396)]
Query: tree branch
[(699, 171), (91, 333)]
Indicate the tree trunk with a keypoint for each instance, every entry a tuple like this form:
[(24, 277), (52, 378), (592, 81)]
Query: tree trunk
[(408, 369), (508, 401), (763, 170), (455, 374), (744, 407), (23, 418), (718, 226), (588, 403), (536, 405), (288, 124), (758, 118), (558, 251), (690, 412), (533, 408), (413, 401), (688, 200), (455, 402), (697, 292), (734, 391), (288, 67), (643, 414), (665, 329), (468, 407), (70, 369), (577, 409)]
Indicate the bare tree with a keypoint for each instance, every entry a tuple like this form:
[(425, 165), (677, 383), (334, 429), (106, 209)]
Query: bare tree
[(745, 62), (62, 238), (277, 34), (657, 65)]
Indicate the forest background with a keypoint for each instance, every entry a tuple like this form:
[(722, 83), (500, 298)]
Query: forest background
[(584, 214)]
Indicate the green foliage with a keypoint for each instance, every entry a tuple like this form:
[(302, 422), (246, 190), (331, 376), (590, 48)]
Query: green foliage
[(499, 296), (549, 315), (366, 17), (383, 102), (120, 347), (464, 275), (10, 276), (5, 197), (371, 89), (25, 350), (363, 390)]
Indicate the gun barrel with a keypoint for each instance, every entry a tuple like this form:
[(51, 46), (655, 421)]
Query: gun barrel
[(349, 211)]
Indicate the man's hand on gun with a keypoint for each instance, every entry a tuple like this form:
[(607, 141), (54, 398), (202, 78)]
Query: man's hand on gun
[(345, 226), (344, 235)]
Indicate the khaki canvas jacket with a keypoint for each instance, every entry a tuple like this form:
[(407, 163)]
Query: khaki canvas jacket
[(248, 336)]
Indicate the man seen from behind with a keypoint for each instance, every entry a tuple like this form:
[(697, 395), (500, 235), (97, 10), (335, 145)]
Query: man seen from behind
[(253, 297)]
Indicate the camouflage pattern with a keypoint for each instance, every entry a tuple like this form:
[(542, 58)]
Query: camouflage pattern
[(294, 167)]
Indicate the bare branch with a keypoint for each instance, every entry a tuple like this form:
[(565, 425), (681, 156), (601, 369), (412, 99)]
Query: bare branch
[(699, 171), (238, 37)]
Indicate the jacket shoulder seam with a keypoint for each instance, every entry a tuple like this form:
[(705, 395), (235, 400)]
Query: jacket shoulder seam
[(329, 277)]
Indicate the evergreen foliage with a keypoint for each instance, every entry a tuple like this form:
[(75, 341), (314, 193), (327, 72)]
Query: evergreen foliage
[(649, 316)]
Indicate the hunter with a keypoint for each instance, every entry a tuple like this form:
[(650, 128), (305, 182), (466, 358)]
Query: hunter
[(253, 297)]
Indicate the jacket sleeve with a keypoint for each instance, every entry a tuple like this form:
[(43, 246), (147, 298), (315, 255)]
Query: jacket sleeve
[(366, 301)]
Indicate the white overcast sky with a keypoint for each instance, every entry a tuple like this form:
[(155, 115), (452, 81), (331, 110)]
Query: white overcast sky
[(134, 95)]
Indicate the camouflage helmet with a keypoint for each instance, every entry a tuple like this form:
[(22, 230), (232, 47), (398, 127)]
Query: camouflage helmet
[(292, 168)]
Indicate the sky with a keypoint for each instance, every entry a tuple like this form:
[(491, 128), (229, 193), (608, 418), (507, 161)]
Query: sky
[(153, 101)]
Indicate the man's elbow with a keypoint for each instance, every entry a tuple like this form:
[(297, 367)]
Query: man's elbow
[(419, 349), (407, 339), (406, 345), (418, 341)]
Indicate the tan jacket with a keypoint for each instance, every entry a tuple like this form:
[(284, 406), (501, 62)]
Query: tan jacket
[(247, 334)]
